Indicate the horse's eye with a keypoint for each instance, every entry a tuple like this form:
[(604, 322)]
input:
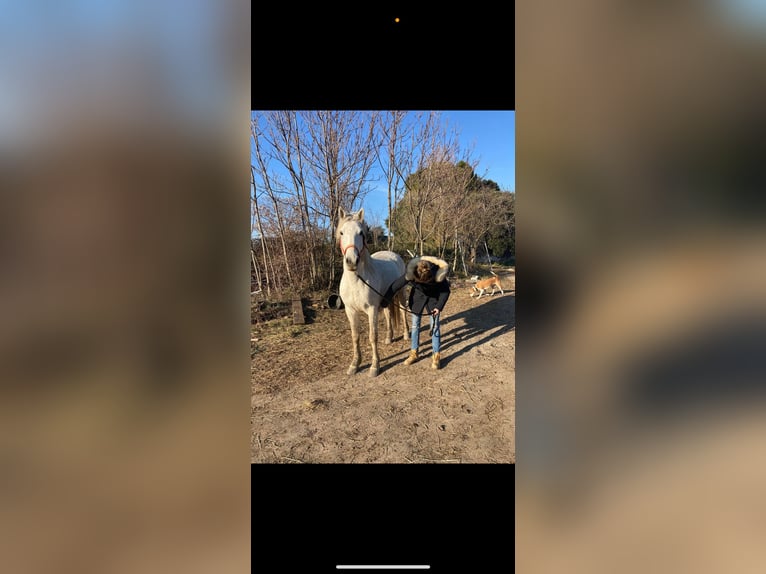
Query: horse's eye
[(341, 233)]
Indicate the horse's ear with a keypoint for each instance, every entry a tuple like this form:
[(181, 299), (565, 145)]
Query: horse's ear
[(341, 213), (359, 214)]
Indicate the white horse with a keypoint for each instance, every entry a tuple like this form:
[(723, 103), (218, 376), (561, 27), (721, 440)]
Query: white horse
[(365, 278)]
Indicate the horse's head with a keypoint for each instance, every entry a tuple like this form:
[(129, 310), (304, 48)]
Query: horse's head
[(350, 235)]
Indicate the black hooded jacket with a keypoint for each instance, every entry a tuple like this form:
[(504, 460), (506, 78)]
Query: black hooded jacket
[(427, 296)]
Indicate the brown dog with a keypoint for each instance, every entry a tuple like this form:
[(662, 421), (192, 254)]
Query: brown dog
[(482, 286)]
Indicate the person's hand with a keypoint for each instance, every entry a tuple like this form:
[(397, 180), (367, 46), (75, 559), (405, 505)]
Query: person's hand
[(435, 312)]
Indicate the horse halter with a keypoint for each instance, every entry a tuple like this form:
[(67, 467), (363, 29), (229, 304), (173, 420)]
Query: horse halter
[(350, 245)]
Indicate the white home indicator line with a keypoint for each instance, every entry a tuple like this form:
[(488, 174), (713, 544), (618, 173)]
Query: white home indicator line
[(382, 567)]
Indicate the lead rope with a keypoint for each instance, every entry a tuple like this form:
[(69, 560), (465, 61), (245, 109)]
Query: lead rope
[(390, 302), (431, 330)]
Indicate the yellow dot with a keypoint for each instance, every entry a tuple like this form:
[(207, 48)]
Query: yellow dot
[(396, 20)]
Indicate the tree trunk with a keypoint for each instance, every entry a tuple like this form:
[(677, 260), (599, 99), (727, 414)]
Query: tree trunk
[(259, 225), (462, 258), (454, 257), (489, 259)]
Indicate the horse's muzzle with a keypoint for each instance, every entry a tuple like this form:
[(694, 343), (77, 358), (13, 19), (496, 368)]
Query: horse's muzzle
[(351, 261)]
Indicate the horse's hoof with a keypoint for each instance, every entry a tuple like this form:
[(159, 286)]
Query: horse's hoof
[(351, 371), (373, 372)]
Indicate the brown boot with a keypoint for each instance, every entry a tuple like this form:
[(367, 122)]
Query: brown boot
[(435, 360), (412, 358)]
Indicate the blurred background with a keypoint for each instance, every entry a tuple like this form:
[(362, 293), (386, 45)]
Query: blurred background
[(640, 263), (642, 286), (124, 231)]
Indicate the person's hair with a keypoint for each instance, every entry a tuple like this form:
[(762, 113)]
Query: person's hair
[(424, 272)]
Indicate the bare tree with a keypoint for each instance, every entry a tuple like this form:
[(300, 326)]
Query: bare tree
[(271, 190), (287, 141), (411, 168), (451, 207), (340, 154), (435, 175), (258, 224), (307, 165), (487, 210), (394, 132)]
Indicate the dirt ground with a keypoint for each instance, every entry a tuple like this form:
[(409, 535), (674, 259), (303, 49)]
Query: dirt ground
[(305, 409)]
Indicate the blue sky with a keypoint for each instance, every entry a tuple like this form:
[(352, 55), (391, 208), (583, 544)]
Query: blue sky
[(492, 134)]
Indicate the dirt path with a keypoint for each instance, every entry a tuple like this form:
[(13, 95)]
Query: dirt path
[(306, 409)]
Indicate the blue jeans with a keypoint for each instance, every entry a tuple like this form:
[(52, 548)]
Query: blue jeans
[(435, 336)]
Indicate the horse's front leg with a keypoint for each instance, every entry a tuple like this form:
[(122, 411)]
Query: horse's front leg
[(352, 319), (372, 315)]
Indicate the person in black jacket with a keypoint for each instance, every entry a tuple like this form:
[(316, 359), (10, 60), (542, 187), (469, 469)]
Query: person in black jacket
[(428, 294)]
